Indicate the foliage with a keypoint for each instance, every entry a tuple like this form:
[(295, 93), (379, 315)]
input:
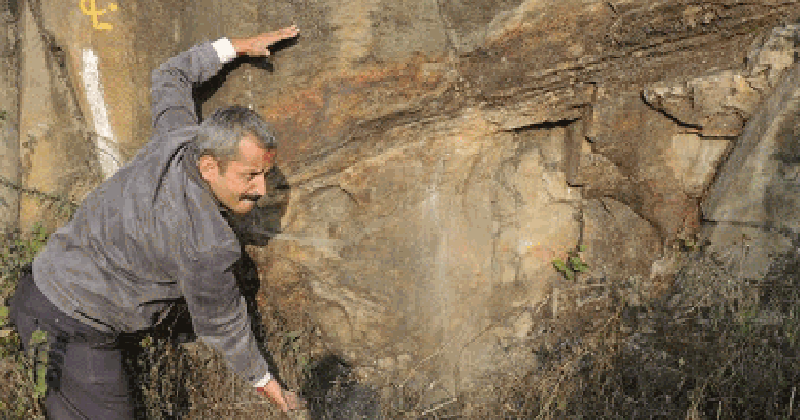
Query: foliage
[(24, 374), (38, 357), (717, 346), (3, 316), (573, 265), (17, 251)]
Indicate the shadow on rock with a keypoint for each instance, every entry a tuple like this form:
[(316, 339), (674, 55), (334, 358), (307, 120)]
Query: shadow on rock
[(161, 370), (264, 222), (334, 394)]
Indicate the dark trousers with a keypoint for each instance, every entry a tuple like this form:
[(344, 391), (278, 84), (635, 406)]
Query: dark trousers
[(85, 378)]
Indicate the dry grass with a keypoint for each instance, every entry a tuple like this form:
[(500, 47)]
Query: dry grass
[(17, 401), (192, 381), (716, 346)]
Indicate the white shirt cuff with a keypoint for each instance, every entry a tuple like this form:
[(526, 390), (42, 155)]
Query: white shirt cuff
[(225, 50), (264, 381)]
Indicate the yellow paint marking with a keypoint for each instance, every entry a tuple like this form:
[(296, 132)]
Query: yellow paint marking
[(91, 10)]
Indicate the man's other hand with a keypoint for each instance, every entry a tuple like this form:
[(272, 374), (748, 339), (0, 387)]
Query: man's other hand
[(258, 46), (285, 400)]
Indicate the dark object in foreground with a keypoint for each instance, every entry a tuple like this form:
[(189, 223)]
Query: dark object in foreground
[(332, 392)]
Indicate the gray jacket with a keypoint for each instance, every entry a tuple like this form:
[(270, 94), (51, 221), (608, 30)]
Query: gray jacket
[(154, 233)]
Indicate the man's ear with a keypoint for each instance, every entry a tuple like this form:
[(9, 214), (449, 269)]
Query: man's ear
[(208, 167)]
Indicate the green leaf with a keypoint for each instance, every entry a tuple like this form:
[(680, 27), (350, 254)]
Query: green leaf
[(575, 262), (581, 248), (38, 337), (40, 388), (560, 266), (302, 361), (41, 234), (3, 315), (146, 342), (570, 275), (292, 334), (582, 268)]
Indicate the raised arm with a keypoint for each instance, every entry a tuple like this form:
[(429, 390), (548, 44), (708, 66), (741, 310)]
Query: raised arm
[(258, 46), (172, 82)]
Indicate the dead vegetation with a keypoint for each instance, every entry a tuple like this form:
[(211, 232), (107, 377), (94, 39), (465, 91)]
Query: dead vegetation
[(716, 346), (17, 396)]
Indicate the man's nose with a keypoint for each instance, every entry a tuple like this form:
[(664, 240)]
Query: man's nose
[(260, 187)]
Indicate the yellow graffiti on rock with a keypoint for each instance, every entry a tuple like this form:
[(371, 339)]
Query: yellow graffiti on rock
[(91, 10)]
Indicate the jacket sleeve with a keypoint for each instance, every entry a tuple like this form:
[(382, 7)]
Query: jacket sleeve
[(173, 105), (220, 318)]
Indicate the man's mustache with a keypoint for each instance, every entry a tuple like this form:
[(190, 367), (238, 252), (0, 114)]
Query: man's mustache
[(250, 197)]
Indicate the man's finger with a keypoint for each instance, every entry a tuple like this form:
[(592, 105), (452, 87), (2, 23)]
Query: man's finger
[(285, 33), (290, 29)]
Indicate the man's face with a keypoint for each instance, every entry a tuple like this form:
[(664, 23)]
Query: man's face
[(243, 180)]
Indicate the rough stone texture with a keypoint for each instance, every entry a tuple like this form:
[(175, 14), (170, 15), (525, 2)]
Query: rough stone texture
[(695, 160), (474, 217), (753, 203), (9, 116), (439, 154), (57, 149), (633, 158), (619, 243), (719, 104)]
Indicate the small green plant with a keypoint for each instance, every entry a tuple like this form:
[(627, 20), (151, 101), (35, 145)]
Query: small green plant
[(20, 252), (24, 384), (147, 342), (574, 263), (6, 334), (3, 316), (38, 354), (688, 243), (30, 246), (792, 327), (292, 342)]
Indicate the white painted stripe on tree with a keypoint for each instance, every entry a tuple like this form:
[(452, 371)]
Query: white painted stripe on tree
[(107, 153)]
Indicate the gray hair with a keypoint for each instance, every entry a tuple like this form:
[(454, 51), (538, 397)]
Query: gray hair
[(220, 134)]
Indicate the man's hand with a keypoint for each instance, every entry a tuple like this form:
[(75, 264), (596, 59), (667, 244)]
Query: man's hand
[(258, 46), (285, 400)]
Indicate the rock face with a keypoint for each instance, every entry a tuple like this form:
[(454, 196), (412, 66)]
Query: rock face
[(9, 114), (752, 205), (718, 104), (440, 155)]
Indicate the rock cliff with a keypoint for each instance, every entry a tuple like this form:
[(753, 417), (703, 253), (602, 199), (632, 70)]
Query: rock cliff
[(438, 155)]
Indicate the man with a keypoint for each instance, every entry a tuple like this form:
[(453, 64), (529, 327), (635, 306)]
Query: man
[(153, 234)]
